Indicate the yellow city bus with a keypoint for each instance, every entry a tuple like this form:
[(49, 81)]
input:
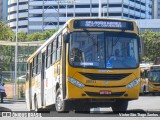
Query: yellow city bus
[(154, 79), (144, 68), (88, 63)]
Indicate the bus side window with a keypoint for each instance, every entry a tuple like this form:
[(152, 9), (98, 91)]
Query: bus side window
[(32, 63), (54, 52), (34, 66), (38, 63), (48, 56), (27, 74), (59, 44)]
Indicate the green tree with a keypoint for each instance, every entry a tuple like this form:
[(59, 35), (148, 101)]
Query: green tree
[(22, 36), (151, 46), (35, 36), (41, 36), (7, 52), (48, 33), (6, 34)]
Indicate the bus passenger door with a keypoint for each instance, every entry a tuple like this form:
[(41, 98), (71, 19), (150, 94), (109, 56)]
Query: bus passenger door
[(42, 77)]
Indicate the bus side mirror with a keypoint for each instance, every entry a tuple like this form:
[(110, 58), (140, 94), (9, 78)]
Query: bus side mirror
[(66, 37)]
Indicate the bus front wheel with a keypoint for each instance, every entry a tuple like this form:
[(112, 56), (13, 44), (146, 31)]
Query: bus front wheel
[(61, 105), (120, 106), (82, 109)]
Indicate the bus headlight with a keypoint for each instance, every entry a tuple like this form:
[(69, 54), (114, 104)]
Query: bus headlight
[(133, 83), (75, 82)]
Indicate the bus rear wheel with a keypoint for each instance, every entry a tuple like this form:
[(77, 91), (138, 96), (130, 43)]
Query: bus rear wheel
[(120, 106), (36, 104), (1, 98), (61, 105)]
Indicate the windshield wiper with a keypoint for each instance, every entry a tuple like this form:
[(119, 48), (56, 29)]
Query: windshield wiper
[(116, 41), (90, 36)]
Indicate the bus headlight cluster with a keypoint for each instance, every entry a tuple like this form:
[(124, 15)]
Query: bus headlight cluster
[(75, 82), (133, 83)]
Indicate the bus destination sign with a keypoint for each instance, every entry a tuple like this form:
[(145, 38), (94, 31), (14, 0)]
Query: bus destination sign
[(106, 24)]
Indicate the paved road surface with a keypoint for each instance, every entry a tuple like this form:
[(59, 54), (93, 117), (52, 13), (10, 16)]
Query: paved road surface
[(144, 105)]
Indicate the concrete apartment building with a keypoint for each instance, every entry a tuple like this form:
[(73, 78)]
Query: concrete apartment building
[(40, 15), (3, 10), (156, 9)]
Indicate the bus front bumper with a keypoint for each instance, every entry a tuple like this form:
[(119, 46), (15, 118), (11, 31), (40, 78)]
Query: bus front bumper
[(103, 92)]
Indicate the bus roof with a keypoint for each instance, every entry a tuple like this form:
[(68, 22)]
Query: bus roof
[(97, 18)]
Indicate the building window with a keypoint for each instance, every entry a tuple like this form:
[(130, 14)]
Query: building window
[(138, 2), (115, 5), (131, 8), (125, 15), (125, 6), (82, 6), (138, 10), (115, 14), (131, 16), (94, 6), (83, 15)]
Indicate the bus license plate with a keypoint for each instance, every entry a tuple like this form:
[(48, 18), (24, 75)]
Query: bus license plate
[(105, 92)]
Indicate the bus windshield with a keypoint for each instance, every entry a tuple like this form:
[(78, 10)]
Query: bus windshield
[(155, 76), (103, 50)]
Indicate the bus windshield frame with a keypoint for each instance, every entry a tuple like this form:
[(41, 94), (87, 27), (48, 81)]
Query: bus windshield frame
[(101, 41)]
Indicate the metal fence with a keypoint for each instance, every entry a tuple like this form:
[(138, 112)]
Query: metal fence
[(7, 58)]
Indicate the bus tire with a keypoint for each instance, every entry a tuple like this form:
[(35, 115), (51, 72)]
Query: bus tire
[(154, 94), (61, 105), (82, 109), (144, 89), (120, 106), (36, 104), (1, 98)]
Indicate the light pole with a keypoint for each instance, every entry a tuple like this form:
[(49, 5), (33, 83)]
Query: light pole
[(66, 10), (104, 10), (74, 8), (100, 8), (16, 47)]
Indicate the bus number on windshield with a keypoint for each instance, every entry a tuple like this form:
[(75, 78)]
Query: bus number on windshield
[(90, 81)]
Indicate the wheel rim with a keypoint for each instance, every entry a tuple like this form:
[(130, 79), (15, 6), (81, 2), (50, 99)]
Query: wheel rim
[(59, 102)]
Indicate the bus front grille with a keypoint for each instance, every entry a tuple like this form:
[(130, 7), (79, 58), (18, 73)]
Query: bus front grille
[(122, 86), (95, 76), (114, 94)]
